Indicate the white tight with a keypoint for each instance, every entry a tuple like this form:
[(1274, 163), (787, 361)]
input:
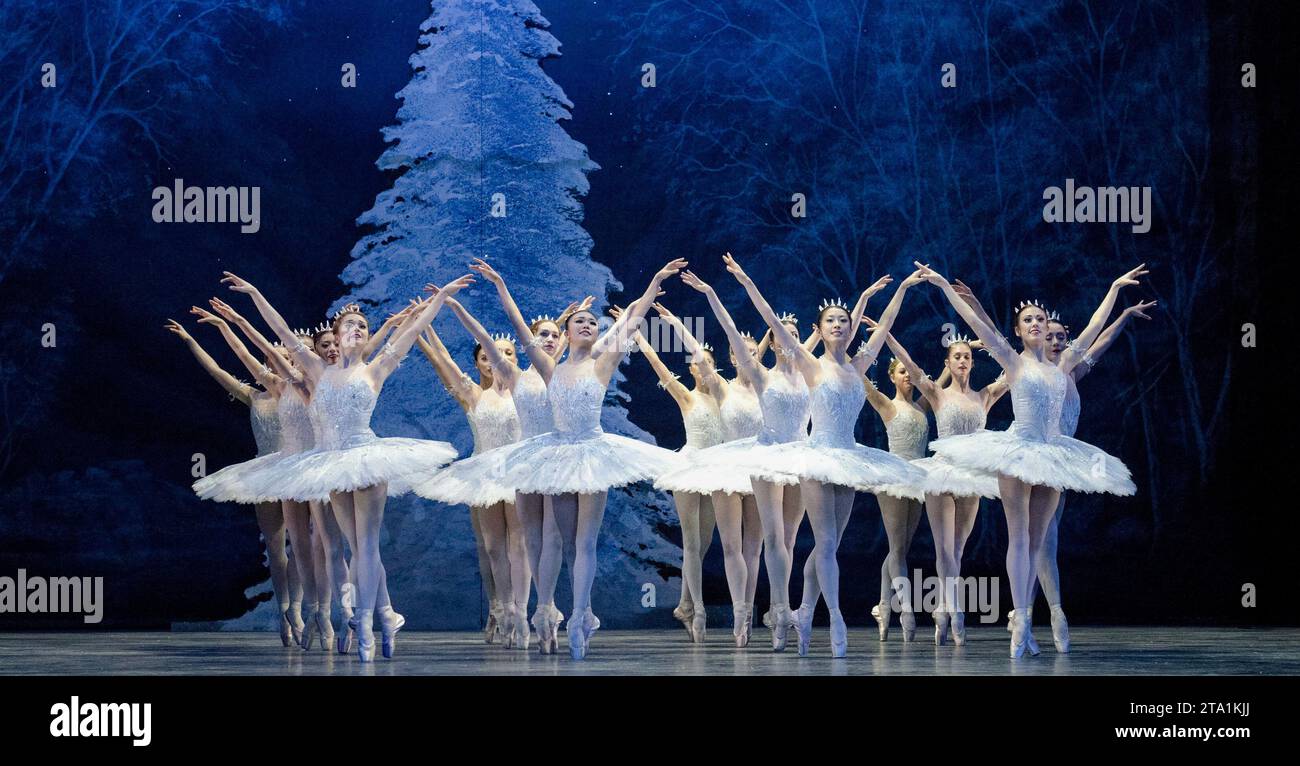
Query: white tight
[(951, 521), (1029, 510), (503, 542), (1049, 576), (901, 517), (829, 507), (696, 515), (579, 517), (544, 541), (742, 539), (360, 515), (297, 519), (331, 564), (270, 520), (779, 512)]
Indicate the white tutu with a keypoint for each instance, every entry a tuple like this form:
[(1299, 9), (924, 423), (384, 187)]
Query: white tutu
[(555, 463), (468, 482), (864, 468), (229, 485), (1053, 461), (364, 461), (703, 477), (945, 478)]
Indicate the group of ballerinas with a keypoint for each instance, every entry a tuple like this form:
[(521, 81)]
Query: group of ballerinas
[(541, 467)]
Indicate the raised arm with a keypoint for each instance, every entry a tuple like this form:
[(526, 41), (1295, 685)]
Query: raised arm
[(279, 366), (240, 391), (708, 375), (997, 345), (878, 335), (311, 364), (766, 343), (404, 337), (749, 367), (458, 384), (609, 347), (540, 359), (260, 372), (377, 340), (1084, 340), (920, 381), (667, 380), (503, 368), (803, 358), (1089, 356), (860, 308)]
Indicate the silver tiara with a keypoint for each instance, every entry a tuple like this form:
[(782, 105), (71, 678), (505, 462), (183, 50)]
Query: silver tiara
[(496, 336), (351, 308), (541, 318), (322, 327), (835, 303), (1032, 302), (788, 317), (956, 339), (706, 347)]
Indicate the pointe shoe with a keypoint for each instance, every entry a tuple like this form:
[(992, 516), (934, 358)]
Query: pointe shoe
[(364, 624), (522, 635), (803, 617), (1060, 630), (881, 613), (545, 623), (324, 630), (592, 623), (767, 619), (286, 630), (312, 623), (389, 623), (740, 624), (294, 618), (959, 628), (555, 626), (698, 624), (839, 634), (579, 635), (509, 627), (907, 619), (492, 631), (346, 632), (685, 614), (1031, 643), (1020, 629), (782, 619), (942, 621)]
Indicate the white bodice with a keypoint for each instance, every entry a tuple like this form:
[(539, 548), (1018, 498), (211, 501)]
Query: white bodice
[(785, 410), (908, 432), (493, 421), (265, 421), (297, 430), (532, 404), (740, 412), (959, 415), (836, 403), (1070, 407), (576, 399), (1037, 398), (703, 424), (341, 407)]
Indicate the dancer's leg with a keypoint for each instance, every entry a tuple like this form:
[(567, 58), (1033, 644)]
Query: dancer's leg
[(727, 510), (270, 520), (768, 498), (688, 515), (751, 540)]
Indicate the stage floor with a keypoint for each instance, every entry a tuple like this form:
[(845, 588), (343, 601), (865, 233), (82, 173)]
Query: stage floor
[(1096, 651)]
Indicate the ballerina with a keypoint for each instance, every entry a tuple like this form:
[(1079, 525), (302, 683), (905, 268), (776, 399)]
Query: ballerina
[(831, 466), (731, 496), (952, 494), (908, 432), (232, 482), (350, 466), (543, 342), (489, 406), (1058, 340), (576, 464), (261, 404), (703, 424), (1034, 462), (783, 401)]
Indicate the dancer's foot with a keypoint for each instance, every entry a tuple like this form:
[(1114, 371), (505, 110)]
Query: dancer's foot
[(685, 614), (767, 619), (942, 621), (346, 632), (803, 617), (740, 624), (492, 631), (1020, 622), (1060, 630), (312, 625), (364, 625), (294, 618), (578, 635), (907, 619), (782, 619), (324, 629), (389, 623), (1031, 643), (545, 623), (286, 630), (698, 623), (839, 634), (881, 613), (959, 628)]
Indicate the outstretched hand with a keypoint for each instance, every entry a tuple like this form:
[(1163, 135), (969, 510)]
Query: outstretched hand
[(224, 309), (238, 284), (485, 270), (1139, 309), (928, 274), (693, 281), (878, 285), (917, 277), (735, 268), (1131, 277), (670, 268), (176, 327), (206, 317)]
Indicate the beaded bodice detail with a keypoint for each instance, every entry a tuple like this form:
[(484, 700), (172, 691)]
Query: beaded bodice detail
[(341, 408), (785, 410), (1037, 399), (297, 432), (532, 404), (742, 417), (576, 400), (959, 415), (908, 432), (1070, 407), (493, 421), (265, 421), (703, 425), (836, 403)]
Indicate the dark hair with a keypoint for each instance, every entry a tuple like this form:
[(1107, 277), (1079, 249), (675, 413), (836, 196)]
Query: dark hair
[(822, 314), (316, 336), (570, 317), (348, 312)]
